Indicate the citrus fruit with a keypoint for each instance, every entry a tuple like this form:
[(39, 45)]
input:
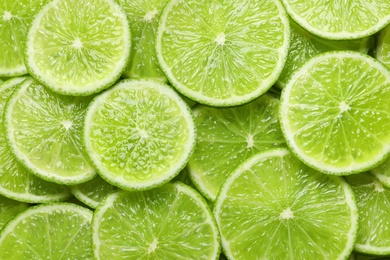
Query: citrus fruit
[(9, 208), (383, 46)]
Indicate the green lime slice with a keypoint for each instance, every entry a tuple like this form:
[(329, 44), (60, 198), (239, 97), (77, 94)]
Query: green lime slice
[(92, 192), (169, 222), (44, 130), (184, 177), (305, 45), (382, 172), (78, 47), (383, 46), (334, 112), (139, 134), (373, 201), (222, 54), (340, 20), (274, 207), (15, 19), (15, 181), (228, 136), (9, 208), (51, 231), (143, 16)]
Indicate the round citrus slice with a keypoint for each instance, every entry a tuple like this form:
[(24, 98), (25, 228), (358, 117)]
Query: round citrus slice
[(143, 16), (78, 47), (139, 134), (373, 201), (382, 172), (340, 19), (228, 136), (9, 208), (44, 130), (51, 231), (15, 181), (222, 54), (334, 112), (383, 46), (275, 207), (169, 222)]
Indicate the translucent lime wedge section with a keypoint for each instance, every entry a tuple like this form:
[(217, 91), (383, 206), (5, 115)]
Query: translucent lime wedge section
[(335, 112), (373, 201), (383, 46), (382, 172), (139, 134), (274, 207), (9, 208), (52, 231), (44, 130), (228, 136), (222, 54), (78, 47), (169, 222), (340, 19)]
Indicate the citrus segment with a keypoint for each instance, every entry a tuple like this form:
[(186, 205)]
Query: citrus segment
[(9, 208), (382, 172), (383, 46)]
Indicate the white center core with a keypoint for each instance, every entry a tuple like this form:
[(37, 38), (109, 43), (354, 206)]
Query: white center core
[(7, 16), (153, 246), (67, 124), (344, 107), (220, 40), (77, 44), (150, 15), (249, 141), (143, 134), (286, 214)]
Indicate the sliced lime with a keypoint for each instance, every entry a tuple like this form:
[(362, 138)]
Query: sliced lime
[(44, 130), (335, 112), (139, 134), (228, 136), (222, 54), (275, 207), (78, 47), (169, 222), (51, 231), (9, 208), (383, 46)]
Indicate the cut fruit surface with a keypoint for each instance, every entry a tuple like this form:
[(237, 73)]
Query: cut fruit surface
[(383, 46), (9, 208), (222, 54), (382, 172)]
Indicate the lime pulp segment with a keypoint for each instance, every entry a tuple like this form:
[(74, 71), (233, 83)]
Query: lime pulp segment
[(222, 54), (139, 134), (78, 47), (383, 46), (335, 112), (275, 207), (8, 209), (382, 172), (169, 222)]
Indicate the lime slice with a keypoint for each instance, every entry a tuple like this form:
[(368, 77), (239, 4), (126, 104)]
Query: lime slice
[(78, 47), (52, 231), (373, 201), (340, 20), (222, 54), (143, 16), (9, 208), (139, 134), (15, 18), (305, 45), (44, 131), (184, 177), (274, 207), (169, 222), (92, 192), (383, 46), (15, 181), (382, 172), (228, 136), (334, 112)]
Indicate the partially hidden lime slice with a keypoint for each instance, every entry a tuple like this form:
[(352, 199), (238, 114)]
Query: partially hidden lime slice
[(51, 231), (9, 208), (228, 136), (383, 46), (340, 19), (382, 172), (44, 130), (169, 222), (335, 112), (15, 19), (139, 134), (222, 54), (15, 181), (275, 207), (143, 16), (78, 47), (373, 201), (92, 192)]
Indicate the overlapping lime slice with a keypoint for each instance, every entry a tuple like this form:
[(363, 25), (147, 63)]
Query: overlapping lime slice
[(78, 47), (9, 208), (52, 231), (274, 207), (222, 53), (383, 46), (169, 222), (44, 130), (335, 112), (228, 136)]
